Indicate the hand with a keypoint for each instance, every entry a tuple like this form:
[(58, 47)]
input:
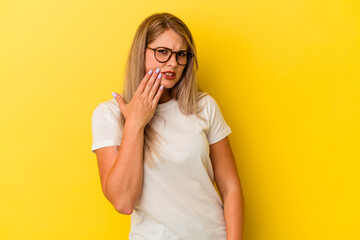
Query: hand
[(141, 108)]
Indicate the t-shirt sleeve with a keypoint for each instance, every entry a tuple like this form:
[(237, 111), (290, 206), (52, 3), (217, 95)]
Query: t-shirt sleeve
[(106, 127), (218, 128)]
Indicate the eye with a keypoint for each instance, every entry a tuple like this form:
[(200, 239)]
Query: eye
[(182, 54), (163, 51)]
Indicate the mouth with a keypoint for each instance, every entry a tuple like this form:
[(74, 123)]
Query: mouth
[(169, 75)]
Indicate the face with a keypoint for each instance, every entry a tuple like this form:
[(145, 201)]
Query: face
[(175, 42)]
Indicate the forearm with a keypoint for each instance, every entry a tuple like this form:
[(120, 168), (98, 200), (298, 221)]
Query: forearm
[(234, 214), (124, 180)]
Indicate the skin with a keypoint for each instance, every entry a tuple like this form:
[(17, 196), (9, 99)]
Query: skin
[(171, 40), (228, 183), (121, 167)]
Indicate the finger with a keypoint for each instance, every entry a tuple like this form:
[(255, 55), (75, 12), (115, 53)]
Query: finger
[(150, 84), (154, 88), (158, 95), (143, 82), (119, 100)]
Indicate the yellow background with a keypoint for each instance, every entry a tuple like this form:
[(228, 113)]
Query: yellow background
[(284, 73)]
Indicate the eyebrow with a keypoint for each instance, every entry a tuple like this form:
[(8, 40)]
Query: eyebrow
[(173, 50)]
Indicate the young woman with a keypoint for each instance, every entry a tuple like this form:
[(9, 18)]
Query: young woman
[(162, 144)]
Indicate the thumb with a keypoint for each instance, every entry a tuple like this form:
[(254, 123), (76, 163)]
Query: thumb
[(119, 100)]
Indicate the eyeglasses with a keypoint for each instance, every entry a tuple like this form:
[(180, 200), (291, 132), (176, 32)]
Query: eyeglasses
[(163, 54)]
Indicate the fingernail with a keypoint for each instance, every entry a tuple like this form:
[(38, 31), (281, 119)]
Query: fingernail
[(159, 76), (150, 72), (114, 94), (157, 70), (161, 87)]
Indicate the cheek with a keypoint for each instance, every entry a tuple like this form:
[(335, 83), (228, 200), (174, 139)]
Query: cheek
[(147, 62), (150, 62), (182, 71)]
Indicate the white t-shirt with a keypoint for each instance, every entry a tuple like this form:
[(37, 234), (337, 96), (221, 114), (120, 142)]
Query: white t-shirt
[(178, 198)]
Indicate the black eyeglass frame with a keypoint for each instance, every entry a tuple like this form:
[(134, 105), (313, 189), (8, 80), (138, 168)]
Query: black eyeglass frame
[(189, 55)]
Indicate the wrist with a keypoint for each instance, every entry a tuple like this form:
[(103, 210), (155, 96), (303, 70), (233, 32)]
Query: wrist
[(134, 128)]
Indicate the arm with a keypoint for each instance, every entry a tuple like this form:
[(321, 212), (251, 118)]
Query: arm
[(228, 183), (121, 170)]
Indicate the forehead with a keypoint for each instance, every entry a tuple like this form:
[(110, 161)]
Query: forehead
[(170, 39)]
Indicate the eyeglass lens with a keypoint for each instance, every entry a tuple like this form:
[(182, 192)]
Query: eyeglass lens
[(164, 54)]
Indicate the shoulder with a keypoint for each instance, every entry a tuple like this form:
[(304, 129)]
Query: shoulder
[(110, 105), (207, 101), (108, 109)]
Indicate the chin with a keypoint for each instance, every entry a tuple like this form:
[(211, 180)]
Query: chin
[(168, 86), (169, 83)]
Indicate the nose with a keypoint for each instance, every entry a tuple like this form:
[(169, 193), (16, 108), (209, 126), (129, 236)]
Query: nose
[(172, 61)]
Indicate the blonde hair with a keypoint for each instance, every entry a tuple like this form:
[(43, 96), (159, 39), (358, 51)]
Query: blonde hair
[(186, 91)]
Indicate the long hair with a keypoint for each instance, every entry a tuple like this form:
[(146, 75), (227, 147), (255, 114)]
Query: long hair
[(186, 91)]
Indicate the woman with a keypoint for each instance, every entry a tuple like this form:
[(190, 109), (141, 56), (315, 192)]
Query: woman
[(163, 143)]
